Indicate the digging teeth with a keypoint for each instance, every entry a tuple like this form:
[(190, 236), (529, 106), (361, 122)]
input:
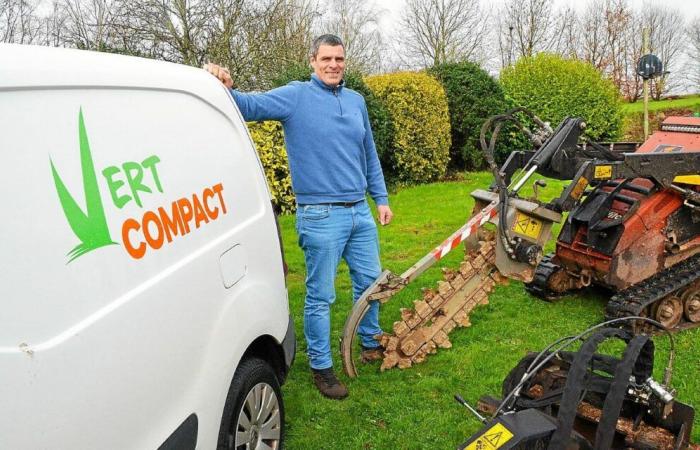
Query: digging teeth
[(401, 329), (420, 356), (444, 288), (391, 359), (392, 344), (449, 326), (426, 327), (404, 363), (414, 321), (466, 269), (433, 298), (442, 340), (457, 282), (462, 319), (448, 274), (422, 308)]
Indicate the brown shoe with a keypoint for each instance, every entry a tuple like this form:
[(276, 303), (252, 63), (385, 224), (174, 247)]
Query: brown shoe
[(328, 384), (369, 355)]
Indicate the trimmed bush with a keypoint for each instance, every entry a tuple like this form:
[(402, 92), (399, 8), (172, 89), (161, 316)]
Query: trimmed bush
[(379, 119), (553, 88), (269, 142), (293, 72), (418, 108), (473, 96)]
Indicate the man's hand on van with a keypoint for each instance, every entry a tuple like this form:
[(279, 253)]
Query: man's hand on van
[(385, 214), (221, 73)]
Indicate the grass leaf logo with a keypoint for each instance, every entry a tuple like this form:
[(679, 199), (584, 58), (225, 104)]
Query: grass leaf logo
[(91, 226)]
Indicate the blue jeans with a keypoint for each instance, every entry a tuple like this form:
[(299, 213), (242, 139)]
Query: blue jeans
[(327, 233)]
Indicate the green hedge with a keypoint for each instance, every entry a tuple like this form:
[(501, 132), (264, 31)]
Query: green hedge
[(554, 88), (418, 108), (473, 96), (269, 142)]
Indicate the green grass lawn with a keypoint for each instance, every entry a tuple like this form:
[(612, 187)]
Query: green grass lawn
[(414, 408), (690, 102)]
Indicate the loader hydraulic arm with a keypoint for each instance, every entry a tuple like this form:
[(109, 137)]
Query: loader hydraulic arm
[(561, 157), (553, 158), (660, 167)]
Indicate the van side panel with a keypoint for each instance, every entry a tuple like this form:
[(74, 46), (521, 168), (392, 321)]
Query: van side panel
[(116, 322)]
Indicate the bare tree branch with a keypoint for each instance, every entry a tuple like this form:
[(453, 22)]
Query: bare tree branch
[(439, 31), (19, 23), (87, 24), (666, 38), (356, 22), (693, 34)]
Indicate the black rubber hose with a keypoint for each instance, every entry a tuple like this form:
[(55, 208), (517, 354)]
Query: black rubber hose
[(489, 155)]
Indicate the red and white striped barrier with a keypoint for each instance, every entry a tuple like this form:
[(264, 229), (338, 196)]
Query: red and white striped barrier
[(467, 230)]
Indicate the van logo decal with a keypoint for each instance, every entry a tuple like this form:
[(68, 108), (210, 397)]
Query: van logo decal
[(130, 182), (91, 227)]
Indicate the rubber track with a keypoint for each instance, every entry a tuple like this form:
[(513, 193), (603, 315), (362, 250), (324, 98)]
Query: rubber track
[(539, 284), (633, 300)]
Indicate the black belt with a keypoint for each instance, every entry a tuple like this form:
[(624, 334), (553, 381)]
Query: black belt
[(343, 204)]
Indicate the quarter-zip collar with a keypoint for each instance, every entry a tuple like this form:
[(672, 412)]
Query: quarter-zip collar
[(334, 89)]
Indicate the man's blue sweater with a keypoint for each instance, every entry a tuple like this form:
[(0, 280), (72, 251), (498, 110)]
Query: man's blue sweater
[(332, 157)]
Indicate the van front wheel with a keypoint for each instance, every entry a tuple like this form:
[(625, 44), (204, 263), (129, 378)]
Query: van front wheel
[(253, 416)]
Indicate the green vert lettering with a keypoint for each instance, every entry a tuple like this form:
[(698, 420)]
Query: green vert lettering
[(133, 173), (114, 185), (91, 226)]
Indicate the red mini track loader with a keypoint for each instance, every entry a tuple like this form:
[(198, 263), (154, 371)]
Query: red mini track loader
[(637, 232)]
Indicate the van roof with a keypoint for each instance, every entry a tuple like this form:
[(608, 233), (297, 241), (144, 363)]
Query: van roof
[(31, 66)]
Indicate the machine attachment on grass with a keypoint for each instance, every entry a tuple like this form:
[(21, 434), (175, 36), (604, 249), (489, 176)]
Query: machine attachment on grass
[(633, 227), (514, 253), (559, 399)]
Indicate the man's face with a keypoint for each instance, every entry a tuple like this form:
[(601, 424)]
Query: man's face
[(329, 64)]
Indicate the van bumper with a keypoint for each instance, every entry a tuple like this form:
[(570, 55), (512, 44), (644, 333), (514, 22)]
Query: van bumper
[(289, 345)]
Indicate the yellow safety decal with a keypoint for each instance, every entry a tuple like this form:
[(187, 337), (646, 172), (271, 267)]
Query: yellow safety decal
[(603, 172), (527, 226), (580, 187), (494, 438), (688, 179)]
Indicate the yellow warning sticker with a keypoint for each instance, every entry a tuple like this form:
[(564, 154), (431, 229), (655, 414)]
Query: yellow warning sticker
[(603, 172), (527, 226), (688, 179), (494, 438), (579, 189)]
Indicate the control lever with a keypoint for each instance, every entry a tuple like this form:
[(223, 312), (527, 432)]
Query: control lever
[(464, 403)]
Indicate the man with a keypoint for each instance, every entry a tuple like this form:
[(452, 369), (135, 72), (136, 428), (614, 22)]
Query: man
[(333, 164)]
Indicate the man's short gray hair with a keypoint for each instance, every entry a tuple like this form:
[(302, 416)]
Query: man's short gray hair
[(324, 39)]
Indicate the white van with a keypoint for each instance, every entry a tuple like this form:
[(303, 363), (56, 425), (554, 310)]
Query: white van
[(143, 298)]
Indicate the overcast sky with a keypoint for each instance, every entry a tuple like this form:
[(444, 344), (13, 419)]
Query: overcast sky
[(393, 8)]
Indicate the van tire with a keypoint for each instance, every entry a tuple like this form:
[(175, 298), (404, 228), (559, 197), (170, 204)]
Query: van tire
[(253, 377)]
